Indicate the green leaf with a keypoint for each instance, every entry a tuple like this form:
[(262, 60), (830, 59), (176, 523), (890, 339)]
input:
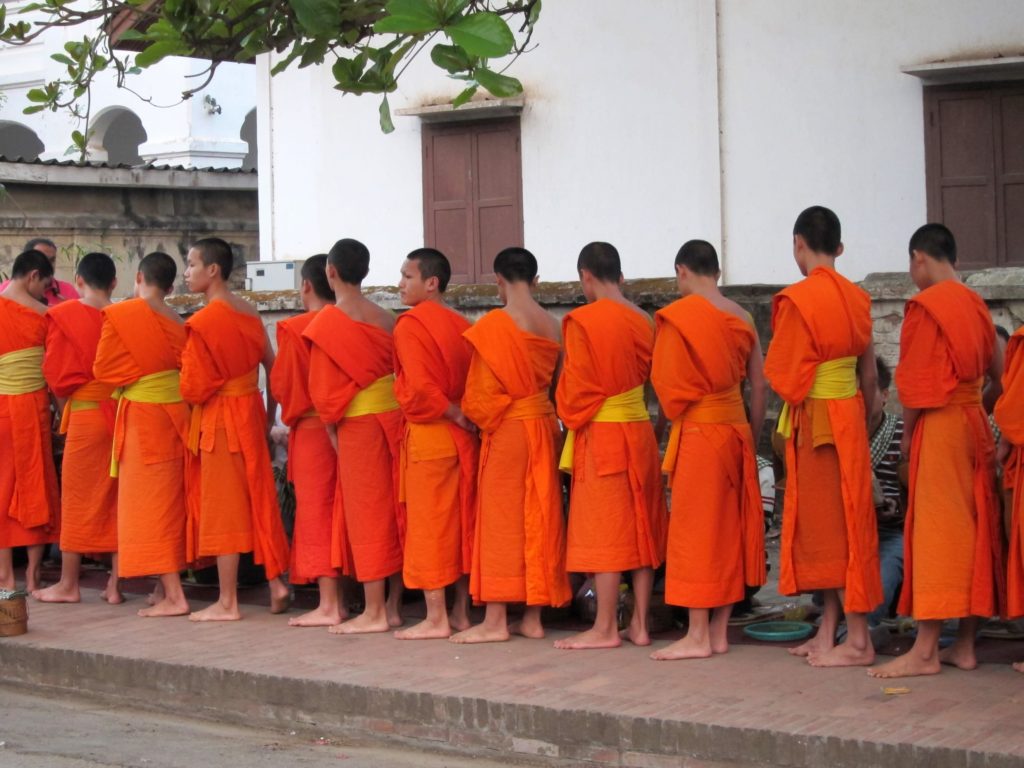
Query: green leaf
[(386, 125), (482, 34), (450, 58), (60, 58), (79, 139), (501, 86), (409, 17), (451, 8), (33, 109), (161, 49), (463, 97), (131, 34), (37, 95), (534, 13), (317, 17)]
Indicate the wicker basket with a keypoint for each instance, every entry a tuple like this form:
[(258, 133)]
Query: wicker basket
[(13, 617)]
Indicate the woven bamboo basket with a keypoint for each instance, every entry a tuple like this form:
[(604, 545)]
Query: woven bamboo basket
[(13, 617)]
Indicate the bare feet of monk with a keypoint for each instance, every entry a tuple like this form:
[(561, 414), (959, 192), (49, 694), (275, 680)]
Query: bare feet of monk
[(960, 655), (280, 597), (319, 617), (481, 633), (1018, 666), (636, 633), (592, 638), (58, 593), (527, 627), (112, 594), (156, 595), (216, 612), (394, 614), (688, 648), (817, 645), (843, 655), (362, 624), (426, 630), (907, 665), (165, 608)]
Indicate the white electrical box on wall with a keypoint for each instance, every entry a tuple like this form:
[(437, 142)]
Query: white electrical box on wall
[(273, 275)]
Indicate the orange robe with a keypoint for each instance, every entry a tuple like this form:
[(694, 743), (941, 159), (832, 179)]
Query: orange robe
[(1009, 413), (312, 462), (829, 529), (617, 517), (29, 504), (952, 540), (519, 547), (88, 496), (369, 521), (237, 508), (439, 459), (149, 439), (716, 530)]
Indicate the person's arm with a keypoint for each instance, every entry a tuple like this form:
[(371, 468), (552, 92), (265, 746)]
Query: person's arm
[(268, 366), (332, 435), (867, 376), (455, 415), (994, 385), (758, 390)]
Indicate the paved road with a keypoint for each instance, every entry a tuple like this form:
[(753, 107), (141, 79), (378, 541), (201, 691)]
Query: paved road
[(38, 731)]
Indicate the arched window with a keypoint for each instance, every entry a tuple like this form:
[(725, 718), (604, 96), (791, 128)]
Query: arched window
[(18, 142), (115, 136)]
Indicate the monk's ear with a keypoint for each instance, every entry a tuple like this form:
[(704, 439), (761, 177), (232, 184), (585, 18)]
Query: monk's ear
[(535, 282), (839, 250), (433, 284)]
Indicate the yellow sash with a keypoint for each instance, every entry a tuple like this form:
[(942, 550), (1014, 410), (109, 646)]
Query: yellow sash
[(535, 406), (21, 371), (833, 380), (624, 407), (725, 407), (163, 387), (240, 386), (85, 398), (378, 397)]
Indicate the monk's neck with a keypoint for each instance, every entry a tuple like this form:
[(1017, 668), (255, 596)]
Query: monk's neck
[(316, 304), (610, 291), (705, 288), (518, 296), (151, 294), (16, 292), (218, 291), (941, 272), (346, 294), (822, 260), (437, 299), (96, 299)]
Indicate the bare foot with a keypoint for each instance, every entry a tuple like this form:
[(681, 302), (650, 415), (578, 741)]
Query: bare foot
[(481, 633), (459, 621), (362, 624), (816, 645), (959, 655), (156, 595), (1018, 666), (33, 585), (58, 593), (686, 648), (315, 618), (526, 628), (216, 612), (112, 595), (843, 655), (281, 600), (394, 613), (907, 665), (589, 639), (425, 631), (165, 608)]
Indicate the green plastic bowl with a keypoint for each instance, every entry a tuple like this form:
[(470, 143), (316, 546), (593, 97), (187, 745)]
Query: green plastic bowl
[(779, 631)]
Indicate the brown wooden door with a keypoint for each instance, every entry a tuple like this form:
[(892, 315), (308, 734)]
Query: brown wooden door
[(472, 193), (974, 146)]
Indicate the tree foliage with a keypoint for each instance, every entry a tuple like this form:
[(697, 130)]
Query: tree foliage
[(367, 43)]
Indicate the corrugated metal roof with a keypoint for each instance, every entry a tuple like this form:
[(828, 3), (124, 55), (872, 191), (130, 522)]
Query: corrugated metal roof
[(122, 166)]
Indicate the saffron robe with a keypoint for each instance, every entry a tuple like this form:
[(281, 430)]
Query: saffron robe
[(149, 440), (88, 495), (29, 504), (1009, 414), (716, 529), (369, 520), (519, 546), (439, 459), (617, 516), (237, 508), (829, 529), (953, 560), (312, 462)]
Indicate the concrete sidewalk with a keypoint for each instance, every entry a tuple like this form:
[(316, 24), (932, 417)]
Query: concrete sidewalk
[(753, 706)]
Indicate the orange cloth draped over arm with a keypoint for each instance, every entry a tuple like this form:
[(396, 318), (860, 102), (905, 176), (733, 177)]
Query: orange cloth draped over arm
[(519, 549), (716, 530), (29, 504), (155, 469), (88, 492), (312, 463), (237, 509), (369, 521), (953, 560), (829, 529), (617, 517), (1009, 413), (439, 460)]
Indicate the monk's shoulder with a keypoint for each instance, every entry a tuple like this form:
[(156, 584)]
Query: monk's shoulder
[(382, 318)]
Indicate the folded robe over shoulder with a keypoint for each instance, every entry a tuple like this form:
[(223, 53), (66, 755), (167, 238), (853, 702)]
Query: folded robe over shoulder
[(29, 505), (617, 517), (439, 459), (88, 493), (1009, 413), (716, 531), (519, 549), (952, 539), (346, 358), (829, 529), (237, 509), (312, 463), (149, 439)]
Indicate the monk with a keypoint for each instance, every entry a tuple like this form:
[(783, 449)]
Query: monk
[(236, 507), (706, 346), (139, 350), (519, 547), (617, 517), (953, 558), (439, 447), (821, 362), (351, 383), (312, 465), (29, 505), (1009, 414), (88, 498)]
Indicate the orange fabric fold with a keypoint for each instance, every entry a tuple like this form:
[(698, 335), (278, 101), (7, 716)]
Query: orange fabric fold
[(368, 530), (1009, 413), (953, 558), (716, 529), (829, 529), (155, 467), (29, 504), (617, 517), (88, 496), (519, 543), (438, 461), (237, 508)]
